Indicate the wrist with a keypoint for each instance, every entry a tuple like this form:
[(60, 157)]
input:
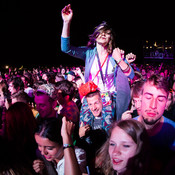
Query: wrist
[(127, 69), (67, 140), (68, 146), (118, 61), (66, 22)]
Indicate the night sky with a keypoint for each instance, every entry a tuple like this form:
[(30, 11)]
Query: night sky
[(31, 30)]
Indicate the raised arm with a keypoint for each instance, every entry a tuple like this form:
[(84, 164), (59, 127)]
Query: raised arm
[(71, 164), (67, 15), (118, 55), (78, 52)]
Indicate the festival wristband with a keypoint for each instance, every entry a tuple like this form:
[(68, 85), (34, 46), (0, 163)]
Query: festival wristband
[(67, 146), (118, 61), (127, 69)]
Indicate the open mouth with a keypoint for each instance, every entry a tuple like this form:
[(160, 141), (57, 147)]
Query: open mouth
[(117, 161)]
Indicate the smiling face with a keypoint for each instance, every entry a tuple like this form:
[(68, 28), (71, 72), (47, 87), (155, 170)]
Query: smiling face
[(121, 149), (95, 105), (50, 150), (153, 103), (44, 105)]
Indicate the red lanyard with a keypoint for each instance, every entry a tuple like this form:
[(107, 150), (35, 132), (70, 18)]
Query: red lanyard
[(101, 67)]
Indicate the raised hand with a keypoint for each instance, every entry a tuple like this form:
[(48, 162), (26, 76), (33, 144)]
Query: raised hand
[(67, 13), (130, 57), (127, 115), (118, 54), (83, 130), (67, 130)]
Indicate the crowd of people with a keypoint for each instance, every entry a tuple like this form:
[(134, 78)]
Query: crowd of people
[(125, 126)]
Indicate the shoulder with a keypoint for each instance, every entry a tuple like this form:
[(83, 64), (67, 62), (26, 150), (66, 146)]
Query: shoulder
[(169, 122)]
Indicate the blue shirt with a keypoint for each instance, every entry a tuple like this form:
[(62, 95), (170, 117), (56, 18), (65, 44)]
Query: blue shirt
[(165, 138)]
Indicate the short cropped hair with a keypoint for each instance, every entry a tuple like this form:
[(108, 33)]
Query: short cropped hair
[(91, 94)]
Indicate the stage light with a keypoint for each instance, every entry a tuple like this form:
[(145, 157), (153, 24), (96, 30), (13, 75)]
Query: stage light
[(7, 66)]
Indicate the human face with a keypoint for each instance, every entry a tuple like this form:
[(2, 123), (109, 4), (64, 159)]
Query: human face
[(104, 37), (95, 105), (60, 98), (44, 77), (70, 77), (153, 103), (79, 82), (11, 88), (137, 104), (50, 150), (121, 148), (44, 105)]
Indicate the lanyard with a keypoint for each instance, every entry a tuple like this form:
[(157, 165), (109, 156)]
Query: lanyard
[(100, 69)]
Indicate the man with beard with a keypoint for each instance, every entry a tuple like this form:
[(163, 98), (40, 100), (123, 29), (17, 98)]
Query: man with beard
[(160, 129)]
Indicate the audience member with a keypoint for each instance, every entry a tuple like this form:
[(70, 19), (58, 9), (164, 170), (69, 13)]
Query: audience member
[(127, 151), (59, 77), (15, 84), (19, 142), (67, 107), (56, 148), (79, 82), (4, 96), (161, 130), (76, 97), (70, 76), (170, 107), (46, 101), (94, 127), (104, 64), (20, 96), (5, 102), (136, 92), (78, 73)]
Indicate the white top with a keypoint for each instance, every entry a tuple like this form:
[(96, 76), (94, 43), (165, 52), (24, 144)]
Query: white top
[(109, 81), (81, 158)]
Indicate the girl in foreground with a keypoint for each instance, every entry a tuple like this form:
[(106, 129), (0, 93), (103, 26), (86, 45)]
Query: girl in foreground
[(56, 147), (126, 152)]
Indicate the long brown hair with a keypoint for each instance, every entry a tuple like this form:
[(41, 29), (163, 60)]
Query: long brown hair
[(137, 165), (103, 27)]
